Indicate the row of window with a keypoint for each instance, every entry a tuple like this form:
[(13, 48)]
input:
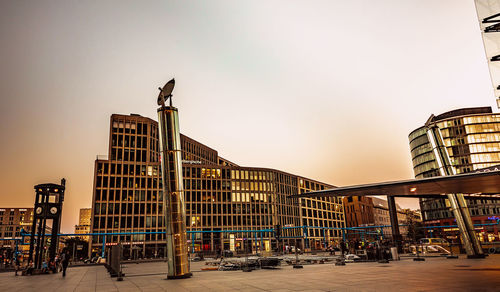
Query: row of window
[(322, 223), (485, 158), (198, 150), (251, 175), (482, 128), (482, 119), (147, 225), (136, 222), (207, 208), (11, 212), (138, 239), (428, 169), (440, 208), (320, 214), (130, 208), (421, 159), (128, 195), (126, 169), (252, 186), (130, 127), (133, 155), (483, 138), (420, 140), (135, 238), (485, 147), (132, 141), (154, 222), (126, 182), (234, 220)]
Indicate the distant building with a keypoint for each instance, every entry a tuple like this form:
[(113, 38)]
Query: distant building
[(362, 211), (413, 215), (382, 217), (219, 196), (83, 226), (472, 138), (12, 220), (358, 211)]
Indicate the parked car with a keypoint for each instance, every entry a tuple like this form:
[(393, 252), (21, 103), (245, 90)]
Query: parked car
[(351, 258), (434, 241), (429, 248)]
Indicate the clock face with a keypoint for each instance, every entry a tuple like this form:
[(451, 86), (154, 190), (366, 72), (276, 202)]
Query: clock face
[(53, 210), (39, 210)]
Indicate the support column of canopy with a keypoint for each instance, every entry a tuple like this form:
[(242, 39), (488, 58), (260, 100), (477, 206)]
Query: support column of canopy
[(457, 201), (393, 214)]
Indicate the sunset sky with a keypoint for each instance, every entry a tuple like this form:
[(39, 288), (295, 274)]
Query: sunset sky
[(324, 89)]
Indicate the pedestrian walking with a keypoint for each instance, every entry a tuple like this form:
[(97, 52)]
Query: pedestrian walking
[(65, 261), (342, 247), (17, 264)]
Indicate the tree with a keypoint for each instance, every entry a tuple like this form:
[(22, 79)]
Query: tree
[(415, 228)]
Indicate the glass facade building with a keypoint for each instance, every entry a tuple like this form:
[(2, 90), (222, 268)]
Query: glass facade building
[(83, 226), (472, 139), (220, 196), (12, 220)]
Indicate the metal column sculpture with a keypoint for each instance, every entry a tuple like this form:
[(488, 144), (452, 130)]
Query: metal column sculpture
[(457, 201), (173, 189)]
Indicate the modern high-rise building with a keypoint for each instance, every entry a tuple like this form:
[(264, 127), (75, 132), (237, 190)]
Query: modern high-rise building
[(84, 220), (220, 196), (472, 139)]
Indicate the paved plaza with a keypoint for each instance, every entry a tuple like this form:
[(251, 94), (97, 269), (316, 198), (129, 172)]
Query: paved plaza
[(435, 274)]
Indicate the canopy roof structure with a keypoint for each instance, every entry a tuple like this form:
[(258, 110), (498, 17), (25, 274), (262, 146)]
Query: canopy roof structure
[(483, 182)]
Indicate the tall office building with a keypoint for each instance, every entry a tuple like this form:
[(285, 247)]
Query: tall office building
[(219, 194), (84, 220), (472, 139), (12, 220)]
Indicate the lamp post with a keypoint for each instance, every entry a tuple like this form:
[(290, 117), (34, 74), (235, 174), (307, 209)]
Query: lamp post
[(297, 265)]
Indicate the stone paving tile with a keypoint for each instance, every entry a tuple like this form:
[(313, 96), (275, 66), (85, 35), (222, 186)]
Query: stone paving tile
[(437, 274)]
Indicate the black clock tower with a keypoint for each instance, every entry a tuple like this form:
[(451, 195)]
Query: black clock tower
[(48, 207)]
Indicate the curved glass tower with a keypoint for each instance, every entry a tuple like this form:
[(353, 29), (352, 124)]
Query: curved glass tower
[(472, 139), (471, 136)]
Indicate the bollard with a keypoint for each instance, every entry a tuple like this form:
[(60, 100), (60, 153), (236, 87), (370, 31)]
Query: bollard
[(451, 255), (296, 265)]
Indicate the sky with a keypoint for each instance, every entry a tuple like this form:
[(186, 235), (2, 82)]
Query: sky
[(328, 90)]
